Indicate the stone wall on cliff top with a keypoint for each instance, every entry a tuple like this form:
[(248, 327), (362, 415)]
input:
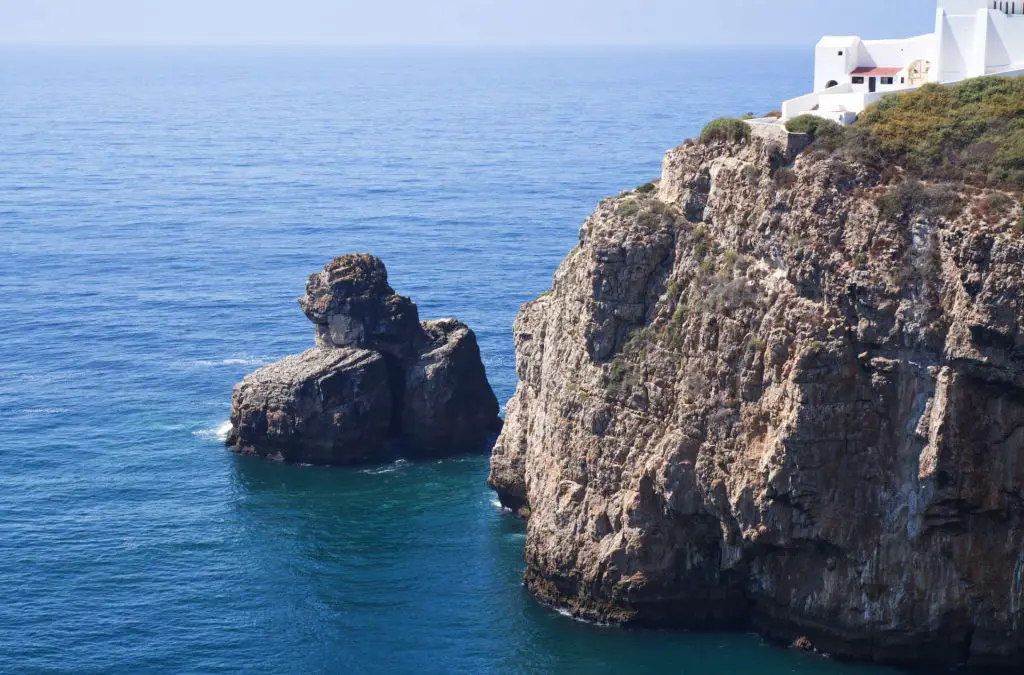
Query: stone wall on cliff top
[(753, 397)]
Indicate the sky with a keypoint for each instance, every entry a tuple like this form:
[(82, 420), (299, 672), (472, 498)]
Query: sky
[(456, 22)]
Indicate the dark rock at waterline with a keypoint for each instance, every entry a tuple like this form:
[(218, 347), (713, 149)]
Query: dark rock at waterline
[(379, 384)]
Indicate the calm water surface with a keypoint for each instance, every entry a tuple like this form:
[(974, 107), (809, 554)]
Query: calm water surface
[(159, 212)]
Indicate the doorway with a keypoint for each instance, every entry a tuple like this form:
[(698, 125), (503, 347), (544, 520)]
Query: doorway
[(872, 84)]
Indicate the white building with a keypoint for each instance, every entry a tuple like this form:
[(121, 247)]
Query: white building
[(972, 38)]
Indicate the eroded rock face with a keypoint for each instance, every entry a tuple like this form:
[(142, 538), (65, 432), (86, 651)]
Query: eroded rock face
[(752, 398), (377, 385)]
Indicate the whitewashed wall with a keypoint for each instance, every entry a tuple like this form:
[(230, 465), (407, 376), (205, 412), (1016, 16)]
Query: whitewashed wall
[(829, 65), (956, 36), (1005, 43), (899, 53), (964, 6)]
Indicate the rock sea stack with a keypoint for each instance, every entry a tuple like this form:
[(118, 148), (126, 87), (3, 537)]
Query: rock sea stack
[(377, 385), (784, 392)]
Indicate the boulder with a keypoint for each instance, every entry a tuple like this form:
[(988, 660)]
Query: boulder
[(377, 385)]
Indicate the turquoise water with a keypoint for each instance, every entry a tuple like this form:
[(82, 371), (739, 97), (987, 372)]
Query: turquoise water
[(160, 211)]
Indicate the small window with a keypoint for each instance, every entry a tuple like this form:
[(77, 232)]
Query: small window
[(886, 80), (840, 52), (858, 80), (903, 80)]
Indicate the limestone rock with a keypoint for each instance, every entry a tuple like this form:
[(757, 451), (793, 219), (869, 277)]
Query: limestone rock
[(351, 304), (442, 407), (752, 399), (377, 385), (326, 406)]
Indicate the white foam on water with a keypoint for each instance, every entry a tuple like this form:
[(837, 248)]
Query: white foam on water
[(217, 433), (569, 615), (36, 377), (390, 468), (232, 361)]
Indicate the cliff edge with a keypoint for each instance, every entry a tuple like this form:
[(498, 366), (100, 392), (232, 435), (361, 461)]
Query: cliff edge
[(787, 393)]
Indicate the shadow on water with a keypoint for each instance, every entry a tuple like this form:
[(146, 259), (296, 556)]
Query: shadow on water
[(423, 545)]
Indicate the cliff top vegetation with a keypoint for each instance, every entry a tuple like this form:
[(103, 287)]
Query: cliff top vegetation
[(971, 132)]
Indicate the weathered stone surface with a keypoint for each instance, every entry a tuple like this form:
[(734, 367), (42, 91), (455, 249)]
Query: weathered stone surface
[(326, 406), (378, 384), (351, 304), (751, 398), (442, 409)]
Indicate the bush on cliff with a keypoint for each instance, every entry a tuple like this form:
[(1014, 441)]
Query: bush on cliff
[(725, 129), (911, 198), (972, 131), (812, 125)]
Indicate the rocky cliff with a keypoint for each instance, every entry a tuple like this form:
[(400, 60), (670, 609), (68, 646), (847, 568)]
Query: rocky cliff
[(781, 393), (378, 384)]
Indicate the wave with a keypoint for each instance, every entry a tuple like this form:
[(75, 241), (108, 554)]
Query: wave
[(390, 468), (232, 361), (578, 619), (217, 433), (45, 377), (35, 411)]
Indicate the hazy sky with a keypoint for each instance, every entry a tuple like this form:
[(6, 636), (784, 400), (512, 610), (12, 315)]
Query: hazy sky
[(456, 22)]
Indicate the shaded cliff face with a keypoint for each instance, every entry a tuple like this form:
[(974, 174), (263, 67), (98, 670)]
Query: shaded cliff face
[(378, 384), (753, 395)]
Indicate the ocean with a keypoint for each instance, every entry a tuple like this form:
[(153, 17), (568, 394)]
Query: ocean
[(160, 212)]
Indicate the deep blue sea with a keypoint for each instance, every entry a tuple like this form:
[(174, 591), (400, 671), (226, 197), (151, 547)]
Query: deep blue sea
[(160, 211)]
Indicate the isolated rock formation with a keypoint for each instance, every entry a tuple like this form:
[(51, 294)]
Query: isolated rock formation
[(377, 385), (753, 397)]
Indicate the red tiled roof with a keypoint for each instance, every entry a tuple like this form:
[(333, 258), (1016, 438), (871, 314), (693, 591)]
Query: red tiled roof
[(872, 70)]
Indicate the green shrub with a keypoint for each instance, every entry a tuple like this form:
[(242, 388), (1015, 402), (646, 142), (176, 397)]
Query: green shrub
[(970, 131), (784, 178), (725, 129), (647, 188), (679, 315), (628, 208), (812, 125), (911, 198), (700, 242), (997, 202)]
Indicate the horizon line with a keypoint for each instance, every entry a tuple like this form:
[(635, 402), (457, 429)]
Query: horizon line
[(404, 45)]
